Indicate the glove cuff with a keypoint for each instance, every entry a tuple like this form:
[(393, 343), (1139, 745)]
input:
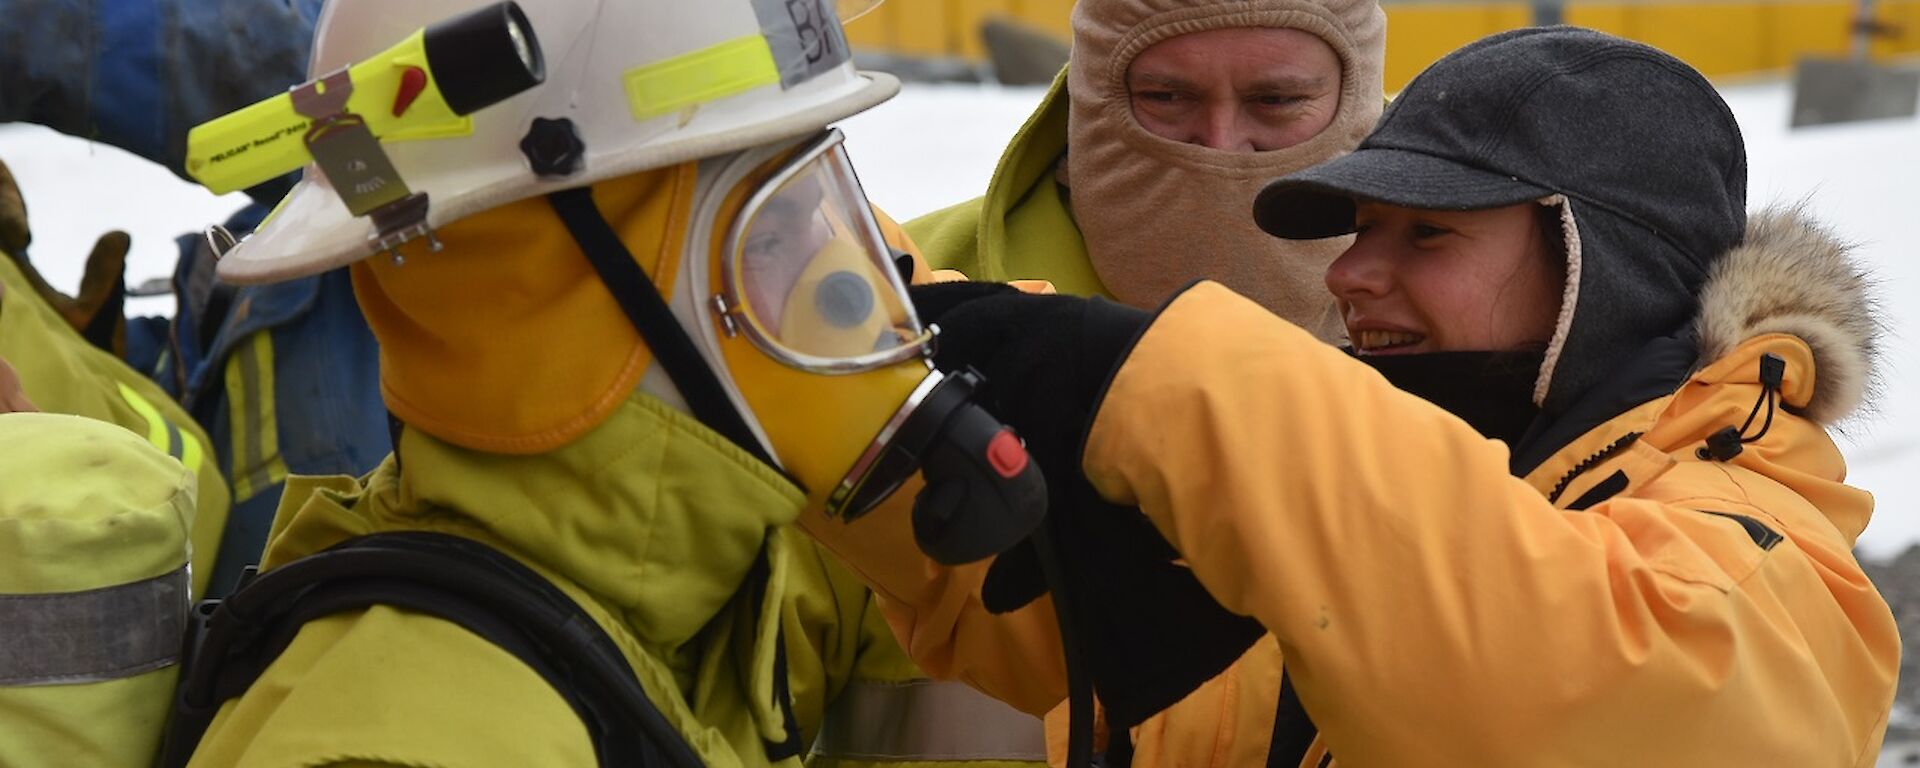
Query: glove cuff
[(1108, 331)]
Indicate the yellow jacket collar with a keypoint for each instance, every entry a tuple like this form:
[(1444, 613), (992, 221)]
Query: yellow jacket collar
[(1791, 290), (1637, 447), (1031, 158)]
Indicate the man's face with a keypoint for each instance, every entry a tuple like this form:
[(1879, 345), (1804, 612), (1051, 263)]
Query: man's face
[(1243, 89)]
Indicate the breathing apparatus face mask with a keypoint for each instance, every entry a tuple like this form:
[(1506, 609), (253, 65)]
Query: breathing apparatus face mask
[(823, 345), (810, 276)]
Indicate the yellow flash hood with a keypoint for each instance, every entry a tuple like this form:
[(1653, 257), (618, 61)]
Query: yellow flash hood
[(506, 341)]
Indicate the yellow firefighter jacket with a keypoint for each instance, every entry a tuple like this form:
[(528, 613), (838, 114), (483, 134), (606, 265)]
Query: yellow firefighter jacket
[(652, 523)]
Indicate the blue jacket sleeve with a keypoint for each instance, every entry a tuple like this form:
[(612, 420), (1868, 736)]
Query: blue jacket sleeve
[(139, 75)]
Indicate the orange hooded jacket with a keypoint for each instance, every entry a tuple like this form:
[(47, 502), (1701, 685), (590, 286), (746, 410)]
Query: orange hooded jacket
[(1628, 602)]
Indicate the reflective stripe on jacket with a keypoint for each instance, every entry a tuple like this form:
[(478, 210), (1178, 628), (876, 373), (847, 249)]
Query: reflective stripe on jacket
[(93, 590), (284, 376)]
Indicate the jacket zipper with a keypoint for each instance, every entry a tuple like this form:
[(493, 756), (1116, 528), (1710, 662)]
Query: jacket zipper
[(1589, 463)]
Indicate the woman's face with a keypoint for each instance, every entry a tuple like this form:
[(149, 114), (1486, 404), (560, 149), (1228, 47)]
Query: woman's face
[(1439, 281)]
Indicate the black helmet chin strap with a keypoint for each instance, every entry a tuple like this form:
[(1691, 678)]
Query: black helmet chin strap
[(650, 316)]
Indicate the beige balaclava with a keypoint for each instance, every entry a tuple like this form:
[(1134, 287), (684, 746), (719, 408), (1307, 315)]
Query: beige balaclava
[(1158, 214)]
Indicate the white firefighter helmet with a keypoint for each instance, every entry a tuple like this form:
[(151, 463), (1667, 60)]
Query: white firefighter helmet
[(629, 85)]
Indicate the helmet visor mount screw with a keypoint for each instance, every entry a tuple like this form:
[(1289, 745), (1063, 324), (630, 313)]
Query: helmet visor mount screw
[(553, 148)]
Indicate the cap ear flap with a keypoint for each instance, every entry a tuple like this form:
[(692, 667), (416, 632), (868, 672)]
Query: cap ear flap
[(1558, 226)]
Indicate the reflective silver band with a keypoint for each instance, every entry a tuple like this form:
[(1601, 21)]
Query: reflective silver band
[(927, 720), (176, 447), (843, 493), (100, 634)]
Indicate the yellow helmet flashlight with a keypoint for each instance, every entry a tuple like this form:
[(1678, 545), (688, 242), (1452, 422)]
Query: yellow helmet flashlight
[(424, 87)]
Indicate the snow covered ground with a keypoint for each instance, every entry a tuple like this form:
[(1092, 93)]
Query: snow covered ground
[(936, 145)]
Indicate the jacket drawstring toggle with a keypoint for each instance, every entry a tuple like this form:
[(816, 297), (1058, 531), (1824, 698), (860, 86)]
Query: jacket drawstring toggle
[(1729, 442)]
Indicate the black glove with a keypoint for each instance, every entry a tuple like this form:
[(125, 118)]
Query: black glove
[(1153, 634)]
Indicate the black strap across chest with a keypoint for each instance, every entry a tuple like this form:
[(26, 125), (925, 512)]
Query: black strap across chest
[(448, 577), (653, 319)]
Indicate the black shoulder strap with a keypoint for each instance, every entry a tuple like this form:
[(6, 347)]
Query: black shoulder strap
[(459, 580), (653, 319)]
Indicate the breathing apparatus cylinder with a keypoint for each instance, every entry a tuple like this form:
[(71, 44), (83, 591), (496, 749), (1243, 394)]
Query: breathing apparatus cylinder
[(421, 88)]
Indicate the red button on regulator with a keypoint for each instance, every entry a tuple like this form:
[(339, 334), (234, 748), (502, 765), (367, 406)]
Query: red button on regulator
[(413, 80), (1006, 454)]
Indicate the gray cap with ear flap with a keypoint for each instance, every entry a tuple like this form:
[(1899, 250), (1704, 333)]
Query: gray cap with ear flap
[(1647, 156), (1319, 202)]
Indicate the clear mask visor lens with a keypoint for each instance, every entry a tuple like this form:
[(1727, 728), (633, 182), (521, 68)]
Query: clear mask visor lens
[(810, 275)]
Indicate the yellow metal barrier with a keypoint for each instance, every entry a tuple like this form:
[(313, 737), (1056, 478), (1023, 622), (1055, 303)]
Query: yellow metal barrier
[(1420, 33), (949, 27), (1721, 38)]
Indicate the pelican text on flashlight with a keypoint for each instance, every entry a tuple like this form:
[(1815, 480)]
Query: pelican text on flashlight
[(292, 129)]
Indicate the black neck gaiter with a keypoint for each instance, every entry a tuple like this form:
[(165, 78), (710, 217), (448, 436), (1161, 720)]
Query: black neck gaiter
[(1493, 391)]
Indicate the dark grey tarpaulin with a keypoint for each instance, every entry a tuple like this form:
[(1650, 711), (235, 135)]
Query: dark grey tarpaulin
[(1844, 90), (1023, 54)]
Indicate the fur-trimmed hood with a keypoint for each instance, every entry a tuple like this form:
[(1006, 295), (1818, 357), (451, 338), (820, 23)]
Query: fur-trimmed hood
[(1793, 275)]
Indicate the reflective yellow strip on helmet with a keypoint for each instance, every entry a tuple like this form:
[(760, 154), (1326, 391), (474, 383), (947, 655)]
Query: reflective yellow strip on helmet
[(710, 73), (256, 438), (164, 434), (927, 720), (99, 634)]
